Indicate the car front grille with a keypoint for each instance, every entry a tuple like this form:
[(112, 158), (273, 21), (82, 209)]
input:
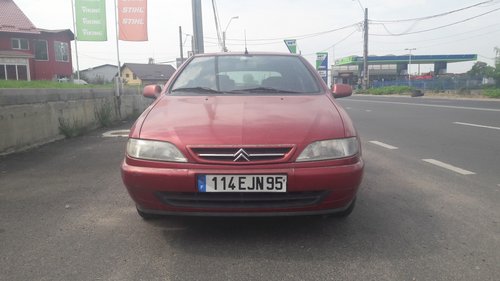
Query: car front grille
[(242, 200), (242, 155)]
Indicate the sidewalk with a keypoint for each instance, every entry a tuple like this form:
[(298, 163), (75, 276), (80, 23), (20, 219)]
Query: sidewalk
[(434, 95)]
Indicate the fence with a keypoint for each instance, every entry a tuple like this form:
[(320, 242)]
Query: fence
[(433, 84)]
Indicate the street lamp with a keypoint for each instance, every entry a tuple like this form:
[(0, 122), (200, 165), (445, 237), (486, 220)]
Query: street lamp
[(409, 65), (224, 48)]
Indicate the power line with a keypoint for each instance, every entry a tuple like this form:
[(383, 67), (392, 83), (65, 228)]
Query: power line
[(458, 40), (303, 36), (439, 27), (441, 37), (249, 44), (438, 44), (361, 6), (217, 24), (442, 43), (485, 57), (433, 16), (404, 32), (336, 43)]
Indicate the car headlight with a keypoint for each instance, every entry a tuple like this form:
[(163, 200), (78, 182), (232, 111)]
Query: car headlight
[(154, 150), (330, 149)]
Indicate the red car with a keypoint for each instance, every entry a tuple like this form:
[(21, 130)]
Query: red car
[(256, 134)]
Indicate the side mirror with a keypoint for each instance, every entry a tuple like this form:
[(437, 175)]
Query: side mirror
[(151, 91), (341, 90)]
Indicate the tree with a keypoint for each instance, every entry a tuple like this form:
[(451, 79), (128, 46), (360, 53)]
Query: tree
[(481, 70)]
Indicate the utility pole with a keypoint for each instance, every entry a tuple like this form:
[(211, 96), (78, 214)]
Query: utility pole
[(180, 44), (76, 41), (365, 52), (198, 47), (224, 48), (409, 65)]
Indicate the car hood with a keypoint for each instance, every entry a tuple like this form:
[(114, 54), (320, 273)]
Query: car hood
[(242, 120)]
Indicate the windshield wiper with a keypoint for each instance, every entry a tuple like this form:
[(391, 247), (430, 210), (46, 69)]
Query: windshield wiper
[(196, 89), (265, 89)]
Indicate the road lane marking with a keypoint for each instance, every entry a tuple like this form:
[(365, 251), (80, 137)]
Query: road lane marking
[(476, 125), (449, 167), (430, 105), (368, 110), (388, 146)]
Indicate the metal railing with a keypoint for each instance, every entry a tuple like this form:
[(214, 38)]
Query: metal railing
[(433, 84)]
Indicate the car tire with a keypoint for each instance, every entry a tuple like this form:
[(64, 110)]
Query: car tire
[(146, 216)]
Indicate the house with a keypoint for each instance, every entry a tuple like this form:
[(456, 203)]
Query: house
[(146, 74), (99, 74), (30, 53)]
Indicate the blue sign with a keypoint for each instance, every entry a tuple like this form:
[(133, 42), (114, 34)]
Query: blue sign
[(322, 65)]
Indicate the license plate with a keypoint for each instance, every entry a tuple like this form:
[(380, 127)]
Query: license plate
[(242, 183)]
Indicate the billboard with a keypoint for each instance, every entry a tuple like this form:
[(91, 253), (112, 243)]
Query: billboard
[(91, 20), (133, 20)]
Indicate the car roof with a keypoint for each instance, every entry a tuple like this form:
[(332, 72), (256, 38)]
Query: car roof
[(248, 54)]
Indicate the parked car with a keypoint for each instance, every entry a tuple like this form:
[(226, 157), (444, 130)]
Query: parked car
[(74, 81), (80, 82), (238, 134)]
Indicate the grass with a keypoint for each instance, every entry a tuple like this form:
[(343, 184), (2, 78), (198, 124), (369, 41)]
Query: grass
[(492, 93), (44, 84), (391, 90)]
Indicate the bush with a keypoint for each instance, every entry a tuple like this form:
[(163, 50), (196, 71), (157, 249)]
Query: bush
[(71, 129), (492, 93), (104, 114), (391, 90)]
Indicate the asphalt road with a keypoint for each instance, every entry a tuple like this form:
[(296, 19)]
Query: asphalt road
[(64, 214)]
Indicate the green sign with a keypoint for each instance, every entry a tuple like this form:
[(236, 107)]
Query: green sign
[(91, 20), (291, 44), (346, 60)]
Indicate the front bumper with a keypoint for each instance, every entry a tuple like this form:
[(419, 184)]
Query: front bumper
[(313, 188)]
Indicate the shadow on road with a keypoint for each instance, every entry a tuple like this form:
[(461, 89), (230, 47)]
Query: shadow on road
[(379, 226)]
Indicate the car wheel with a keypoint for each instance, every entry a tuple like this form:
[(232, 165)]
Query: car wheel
[(146, 216)]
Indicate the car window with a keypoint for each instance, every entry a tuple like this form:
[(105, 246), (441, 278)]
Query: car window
[(199, 73), (247, 74)]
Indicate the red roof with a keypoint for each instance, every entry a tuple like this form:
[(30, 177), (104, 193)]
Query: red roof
[(12, 19)]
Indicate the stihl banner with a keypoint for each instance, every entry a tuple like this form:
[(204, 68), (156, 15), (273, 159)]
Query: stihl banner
[(133, 20)]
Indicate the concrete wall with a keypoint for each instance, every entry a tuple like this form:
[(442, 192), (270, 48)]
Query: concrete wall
[(31, 117)]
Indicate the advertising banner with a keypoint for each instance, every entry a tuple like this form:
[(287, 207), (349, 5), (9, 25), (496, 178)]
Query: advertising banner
[(91, 20), (291, 44), (133, 20), (322, 65)]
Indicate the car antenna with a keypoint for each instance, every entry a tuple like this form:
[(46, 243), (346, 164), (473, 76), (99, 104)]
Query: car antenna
[(246, 50)]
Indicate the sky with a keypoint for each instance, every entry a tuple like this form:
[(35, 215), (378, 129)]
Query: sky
[(314, 23)]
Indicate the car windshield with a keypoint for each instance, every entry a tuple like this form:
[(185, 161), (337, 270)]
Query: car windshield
[(243, 74)]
